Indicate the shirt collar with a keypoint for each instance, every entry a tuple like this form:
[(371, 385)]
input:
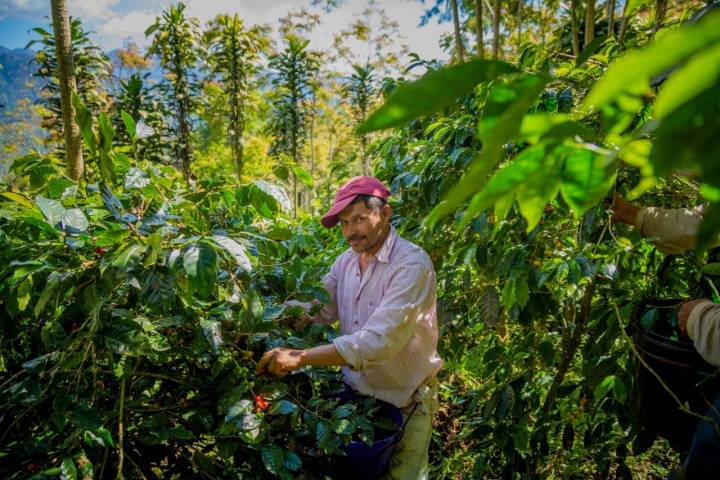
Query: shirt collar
[(383, 254)]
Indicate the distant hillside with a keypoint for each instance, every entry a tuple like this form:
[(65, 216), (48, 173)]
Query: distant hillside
[(16, 77)]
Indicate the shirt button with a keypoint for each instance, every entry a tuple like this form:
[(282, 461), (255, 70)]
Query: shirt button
[(357, 274)]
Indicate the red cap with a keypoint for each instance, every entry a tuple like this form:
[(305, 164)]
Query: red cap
[(347, 193)]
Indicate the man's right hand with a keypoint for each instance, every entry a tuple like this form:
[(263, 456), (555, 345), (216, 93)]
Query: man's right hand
[(684, 313)]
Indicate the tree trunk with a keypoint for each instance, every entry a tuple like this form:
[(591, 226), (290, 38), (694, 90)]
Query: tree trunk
[(573, 20), (589, 21), (611, 18), (183, 148), (479, 29), (660, 11), (68, 88), (308, 196), (496, 29), (459, 49), (519, 26), (623, 23), (541, 13)]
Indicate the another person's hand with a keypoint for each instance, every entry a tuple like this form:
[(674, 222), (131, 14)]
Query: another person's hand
[(303, 320), (684, 313), (280, 361), (624, 211)]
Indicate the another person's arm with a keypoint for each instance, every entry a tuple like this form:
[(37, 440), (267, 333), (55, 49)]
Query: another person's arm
[(700, 320), (673, 229)]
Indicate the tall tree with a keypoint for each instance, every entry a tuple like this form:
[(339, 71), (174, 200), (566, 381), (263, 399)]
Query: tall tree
[(233, 57), (623, 23), (574, 27), (611, 17), (478, 4), (361, 91), (68, 88), (294, 70), (91, 71), (589, 21), (459, 48), (372, 39), (496, 29), (176, 41)]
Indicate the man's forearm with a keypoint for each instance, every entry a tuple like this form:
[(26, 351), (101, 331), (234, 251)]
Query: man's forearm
[(324, 355)]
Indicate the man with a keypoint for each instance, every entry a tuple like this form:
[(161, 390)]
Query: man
[(383, 291), (674, 232)]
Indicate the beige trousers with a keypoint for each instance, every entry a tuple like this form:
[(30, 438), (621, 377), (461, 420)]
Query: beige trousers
[(410, 455)]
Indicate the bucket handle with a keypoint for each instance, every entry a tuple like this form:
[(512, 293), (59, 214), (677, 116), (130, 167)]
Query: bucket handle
[(402, 429)]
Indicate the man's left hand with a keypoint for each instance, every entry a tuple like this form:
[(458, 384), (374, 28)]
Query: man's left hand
[(280, 361), (684, 313)]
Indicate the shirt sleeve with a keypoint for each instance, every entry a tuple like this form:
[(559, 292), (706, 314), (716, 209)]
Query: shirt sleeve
[(405, 304), (673, 230), (703, 328), (329, 312)]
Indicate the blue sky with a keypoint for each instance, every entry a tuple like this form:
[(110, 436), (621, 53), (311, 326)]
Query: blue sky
[(114, 21)]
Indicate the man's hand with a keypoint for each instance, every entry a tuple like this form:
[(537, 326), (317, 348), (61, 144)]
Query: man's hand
[(280, 361), (684, 313), (624, 211)]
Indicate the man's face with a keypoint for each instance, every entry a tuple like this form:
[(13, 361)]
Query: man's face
[(363, 227)]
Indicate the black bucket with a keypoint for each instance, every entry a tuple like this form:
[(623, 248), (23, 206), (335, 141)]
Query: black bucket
[(363, 461), (683, 370)]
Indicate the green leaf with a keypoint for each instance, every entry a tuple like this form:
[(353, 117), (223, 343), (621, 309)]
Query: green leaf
[(16, 197), (700, 73), (238, 252), (516, 291), (302, 175), (283, 407), (604, 387), (107, 238), (586, 178), (507, 180), (590, 49), (687, 139), (107, 170), (52, 209), (272, 457), (153, 243), (200, 263), (106, 132), (632, 73), (434, 91), (512, 101), (74, 220), (291, 462), (128, 257), (68, 470), (711, 269), (85, 122), (129, 123), (538, 191), (51, 285), (707, 235)]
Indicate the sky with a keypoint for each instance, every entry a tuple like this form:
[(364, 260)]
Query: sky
[(114, 21)]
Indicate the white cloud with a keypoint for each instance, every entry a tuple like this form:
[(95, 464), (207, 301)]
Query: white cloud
[(92, 10), (115, 20), (114, 31), (25, 9)]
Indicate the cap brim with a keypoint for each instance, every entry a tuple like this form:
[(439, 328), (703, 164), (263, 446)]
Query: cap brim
[(331, 218)]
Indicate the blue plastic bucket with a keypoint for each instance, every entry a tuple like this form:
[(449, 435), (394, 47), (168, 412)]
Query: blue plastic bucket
[(365, 461)]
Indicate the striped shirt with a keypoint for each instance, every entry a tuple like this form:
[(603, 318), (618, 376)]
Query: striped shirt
[(388, 320)]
